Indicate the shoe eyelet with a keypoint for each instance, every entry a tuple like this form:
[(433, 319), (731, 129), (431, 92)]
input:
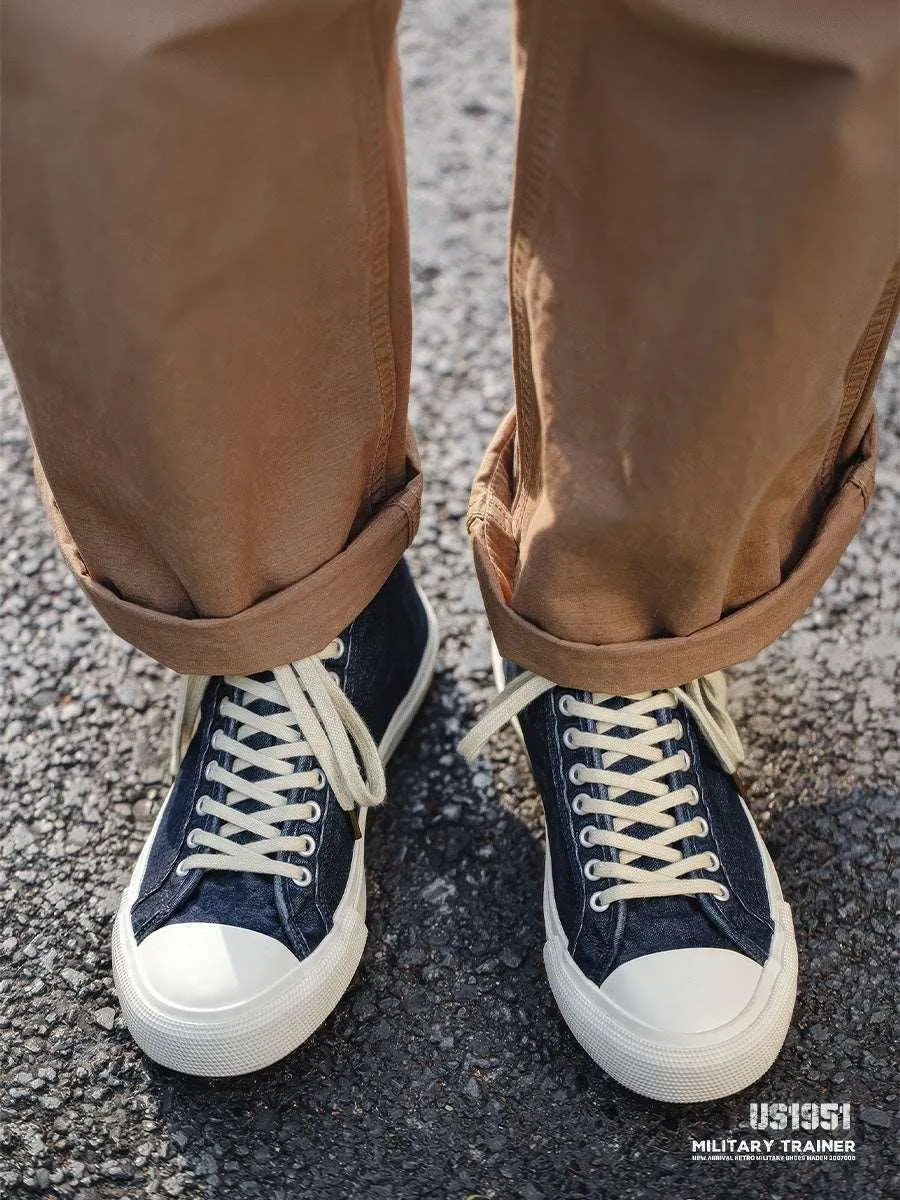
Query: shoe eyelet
[(310, 846), (567, 737), (596, 904), (589, 868), (713, 863), (339, 648), (679, 734), (575, 773), (191, 840), (722, 894), (686, 760), (585, 836), (200, 806), (694, 797), (704, 827), (578, 803), (320, 780), (214, 740), (334, 677), (206, 772), (316, 813), (181, 870), (302, 878), (563, 704)]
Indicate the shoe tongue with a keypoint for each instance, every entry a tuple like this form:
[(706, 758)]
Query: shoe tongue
[(259, 740), (631, 764), (263, 708)]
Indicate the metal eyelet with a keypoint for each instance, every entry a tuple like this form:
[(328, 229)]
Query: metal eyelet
[(680, 731), (317, 812), (302, 878), (563, 704), (694, 795), (704, 827), (320, 779), (585, 835), (596, 904), (181, 870), (578, 804), (339, 648), (686, 760), (722, 894), (334, 677), (568, 736), (200, 806), (206, 772), (575, 773), (713, 863), (589, 868), (191, 840), (310, 847)]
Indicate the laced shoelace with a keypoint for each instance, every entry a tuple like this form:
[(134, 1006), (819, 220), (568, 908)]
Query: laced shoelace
[(643, 713), (314, 727)]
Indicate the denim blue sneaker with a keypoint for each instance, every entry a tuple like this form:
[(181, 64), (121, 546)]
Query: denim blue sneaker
[(670, 950), (244, 920)]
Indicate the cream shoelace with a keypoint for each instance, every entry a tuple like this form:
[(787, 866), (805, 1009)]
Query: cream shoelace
[(315, 721), (645, 714)]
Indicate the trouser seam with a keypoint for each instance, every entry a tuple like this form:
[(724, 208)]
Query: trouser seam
[(491, 506), (866, 359), (537, 129), (373, 153), (410, 511)]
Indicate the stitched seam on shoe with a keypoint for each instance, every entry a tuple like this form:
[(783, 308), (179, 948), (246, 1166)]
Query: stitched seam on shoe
[(567, 808), (339, 813), (157, 908), (746, 943)]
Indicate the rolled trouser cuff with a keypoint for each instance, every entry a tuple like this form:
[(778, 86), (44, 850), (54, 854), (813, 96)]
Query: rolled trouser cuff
[(627, 667), (288, 625)]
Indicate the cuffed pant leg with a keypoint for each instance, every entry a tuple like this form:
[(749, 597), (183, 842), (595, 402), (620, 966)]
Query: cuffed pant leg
[(206, 303), (704, 222)]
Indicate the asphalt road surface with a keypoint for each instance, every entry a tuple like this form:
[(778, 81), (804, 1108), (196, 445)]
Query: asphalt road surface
[(446, 1071)]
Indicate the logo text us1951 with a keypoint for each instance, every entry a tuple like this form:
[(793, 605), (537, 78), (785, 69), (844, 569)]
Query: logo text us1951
[(795, 1115)]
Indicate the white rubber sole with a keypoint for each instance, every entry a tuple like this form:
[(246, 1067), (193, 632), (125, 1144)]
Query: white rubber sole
[(676, 1067), (258, 1032)]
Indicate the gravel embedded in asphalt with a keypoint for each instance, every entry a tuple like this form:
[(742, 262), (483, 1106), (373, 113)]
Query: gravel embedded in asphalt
[(446, 1071)]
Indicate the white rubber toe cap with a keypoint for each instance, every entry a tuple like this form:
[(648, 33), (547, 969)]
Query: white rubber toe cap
[(684, 991), (204, 967)]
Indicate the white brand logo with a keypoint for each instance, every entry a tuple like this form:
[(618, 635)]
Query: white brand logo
[(794, 1116), (822, 1119)]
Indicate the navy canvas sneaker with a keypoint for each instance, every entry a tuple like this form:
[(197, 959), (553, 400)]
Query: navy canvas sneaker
[(244, 920), (670, 950)]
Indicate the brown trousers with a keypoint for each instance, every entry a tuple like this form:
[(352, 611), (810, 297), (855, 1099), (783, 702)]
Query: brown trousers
[(206, 301)]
